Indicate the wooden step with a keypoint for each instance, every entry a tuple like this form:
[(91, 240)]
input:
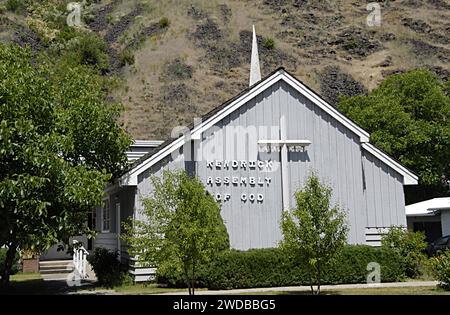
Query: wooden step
[(50, 262), (56, 266), (56, 271)]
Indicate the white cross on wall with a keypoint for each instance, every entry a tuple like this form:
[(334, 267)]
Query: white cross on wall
[(284, 143)]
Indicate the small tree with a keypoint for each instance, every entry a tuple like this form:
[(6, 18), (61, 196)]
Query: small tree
[(409, 246), (314, 232), (441, 269), (182, 230)]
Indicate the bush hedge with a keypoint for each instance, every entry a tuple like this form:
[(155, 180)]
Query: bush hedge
[(273, 267), (441, 269), (107, 268), (410, 246)]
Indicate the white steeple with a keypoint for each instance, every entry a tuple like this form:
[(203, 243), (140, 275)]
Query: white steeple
[(255, 72)]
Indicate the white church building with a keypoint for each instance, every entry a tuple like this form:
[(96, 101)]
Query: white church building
[(254, 152)]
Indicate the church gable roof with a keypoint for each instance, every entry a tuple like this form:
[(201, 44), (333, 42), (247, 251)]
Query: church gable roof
[(222, 111)]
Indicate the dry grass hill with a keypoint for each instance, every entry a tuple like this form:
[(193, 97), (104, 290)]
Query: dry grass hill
[(178, 59)]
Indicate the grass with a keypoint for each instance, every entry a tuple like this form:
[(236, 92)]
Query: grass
[(32, 283), (143, 289), (26, 276), (432, 290)]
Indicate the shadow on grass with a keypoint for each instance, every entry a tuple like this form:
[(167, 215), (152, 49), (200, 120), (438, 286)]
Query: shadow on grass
[(38, 287), (308, 293)]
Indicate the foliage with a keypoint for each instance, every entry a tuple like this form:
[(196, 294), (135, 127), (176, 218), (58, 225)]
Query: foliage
[(164, 22), (409, 246), (107, 268), (447, 87), (46, 18), (15, 265), (126, 57), (269, 43), (183, 229), (59, 143), (87, 49), (441, 269), (15, 5), (314, 232), (407, 116), (350, 44), (274, 267)]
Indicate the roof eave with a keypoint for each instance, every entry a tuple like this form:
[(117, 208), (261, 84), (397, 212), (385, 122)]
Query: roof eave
[(409, 178), (130, 178)]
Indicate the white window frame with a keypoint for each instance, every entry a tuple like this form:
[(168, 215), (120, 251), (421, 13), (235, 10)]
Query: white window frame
[(106, 209)]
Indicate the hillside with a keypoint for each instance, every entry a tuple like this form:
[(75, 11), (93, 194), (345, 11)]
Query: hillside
[(179, 59)]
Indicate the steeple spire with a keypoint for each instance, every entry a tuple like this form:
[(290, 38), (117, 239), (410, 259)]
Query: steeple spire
[(255, 71)]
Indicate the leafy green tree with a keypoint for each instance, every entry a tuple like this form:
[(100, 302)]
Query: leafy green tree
[(408, 117), (182, 230), (440, 265), (408, 246), (59, 144), (314, 232)]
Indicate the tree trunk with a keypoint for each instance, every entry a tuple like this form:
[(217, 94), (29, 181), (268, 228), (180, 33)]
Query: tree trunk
[(193, 278), (311, 282), (318, 277), (9, 260), (188, 281)]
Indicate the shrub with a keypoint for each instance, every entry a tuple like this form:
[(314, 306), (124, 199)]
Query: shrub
[(126, 57), (441, 269), (15, 5), (178, 70), (269, 43), (350, 44), (107, 267), (164, 22), (273, 267), (67, 33), (15, 267), (409, 246), (87, 49)]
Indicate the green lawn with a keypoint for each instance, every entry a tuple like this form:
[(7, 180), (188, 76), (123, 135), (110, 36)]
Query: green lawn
[(145, 289), (32, 283), (369, 291), (23, 276)]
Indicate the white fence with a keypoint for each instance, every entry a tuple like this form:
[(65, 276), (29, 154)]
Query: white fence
[(80, 259)]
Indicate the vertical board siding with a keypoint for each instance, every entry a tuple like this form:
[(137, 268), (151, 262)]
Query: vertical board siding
[(106, 240), (445, 222), (145, 186), (371, 192), (384, 194)]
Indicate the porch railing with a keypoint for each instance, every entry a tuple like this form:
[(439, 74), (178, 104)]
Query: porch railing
[(80, 259)]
